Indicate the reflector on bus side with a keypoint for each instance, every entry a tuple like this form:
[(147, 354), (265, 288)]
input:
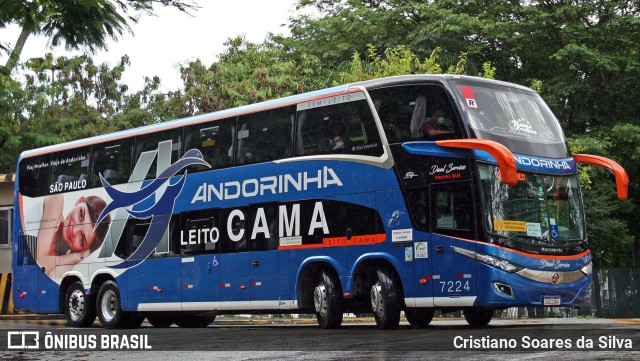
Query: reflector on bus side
[(622, 179), (502, 154)]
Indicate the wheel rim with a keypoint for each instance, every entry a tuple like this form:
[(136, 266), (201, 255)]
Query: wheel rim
[(109, 305), (320, 299), (376, 299), (76, 305)]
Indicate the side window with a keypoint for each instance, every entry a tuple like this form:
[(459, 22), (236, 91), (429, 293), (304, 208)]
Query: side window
[(33, 175), (112, 160), (167, 143), (5, 225), (235, 228), (133, 235), (345, 128), (69, 170), (264, 233), (418, 202), (416, 112), (351, 220), (450, 209), (214, 140), (200, 232), (265, 136)]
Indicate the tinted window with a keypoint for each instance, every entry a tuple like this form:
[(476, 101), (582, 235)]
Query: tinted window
[(264, 232), (112, 160), (168, 144), (265, 136), (345, 128), (235, 230), (416, 112), (69, 170), (214, 140), (199, 233), (451, 206), (33, 175)]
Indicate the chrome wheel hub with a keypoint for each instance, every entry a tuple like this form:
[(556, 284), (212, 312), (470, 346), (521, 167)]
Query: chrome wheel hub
[(76, 305), (320, 299), (109, 305)]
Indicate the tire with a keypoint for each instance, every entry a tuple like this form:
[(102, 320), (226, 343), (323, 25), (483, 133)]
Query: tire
[(79, 308), (194, 321), (109, 307), (419, 317), (478, 318), (385, 300), (159, 320), (327, 297)]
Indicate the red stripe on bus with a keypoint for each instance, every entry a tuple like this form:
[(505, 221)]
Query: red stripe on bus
[(354, 241)]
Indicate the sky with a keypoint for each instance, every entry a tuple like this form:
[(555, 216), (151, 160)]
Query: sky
[(161, 43)]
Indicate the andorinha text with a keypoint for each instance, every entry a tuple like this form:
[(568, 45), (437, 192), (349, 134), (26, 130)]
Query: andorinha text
[(283, 183)]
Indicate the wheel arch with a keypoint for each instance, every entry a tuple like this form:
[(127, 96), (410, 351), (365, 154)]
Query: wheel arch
[(309, 273)]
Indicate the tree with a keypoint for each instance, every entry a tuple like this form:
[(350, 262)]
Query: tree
[(63, 99), (245, 73), (75, 23)]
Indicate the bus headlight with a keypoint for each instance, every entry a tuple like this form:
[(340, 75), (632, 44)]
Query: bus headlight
[(588, 269), (489, 260)]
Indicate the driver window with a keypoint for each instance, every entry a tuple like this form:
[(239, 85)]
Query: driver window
[(450, 209)]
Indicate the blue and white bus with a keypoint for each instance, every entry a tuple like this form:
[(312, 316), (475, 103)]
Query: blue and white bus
[(413, 193)]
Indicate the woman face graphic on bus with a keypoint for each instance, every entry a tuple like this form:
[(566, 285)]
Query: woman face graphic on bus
[(75, 236)]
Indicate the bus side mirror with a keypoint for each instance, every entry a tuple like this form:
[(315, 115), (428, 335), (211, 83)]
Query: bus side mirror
[(622, 179)]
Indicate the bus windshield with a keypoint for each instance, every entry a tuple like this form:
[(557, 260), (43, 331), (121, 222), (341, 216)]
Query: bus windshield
[(515, 117), (544, 211)]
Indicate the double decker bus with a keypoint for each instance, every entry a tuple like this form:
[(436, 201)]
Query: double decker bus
[(412, 193)]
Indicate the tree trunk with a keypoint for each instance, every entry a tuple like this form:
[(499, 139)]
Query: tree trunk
[(17, 49)]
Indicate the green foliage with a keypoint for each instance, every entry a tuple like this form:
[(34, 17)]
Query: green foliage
[(246, 73)]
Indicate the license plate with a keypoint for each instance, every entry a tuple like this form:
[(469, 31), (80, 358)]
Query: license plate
[(552, 300)]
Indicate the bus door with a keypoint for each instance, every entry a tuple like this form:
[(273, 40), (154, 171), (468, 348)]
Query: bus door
[(264, 271), (452, 225), (200, 260), (235, 261)]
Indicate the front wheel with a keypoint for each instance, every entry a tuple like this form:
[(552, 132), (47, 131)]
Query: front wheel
[(385, 300), (79, 309), (419, 317), (326, 301), (478, 318)]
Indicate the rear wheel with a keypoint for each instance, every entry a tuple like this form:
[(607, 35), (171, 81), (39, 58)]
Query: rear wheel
[(385, 300), (159, 320), (326, 301), (478, 318), (109, 309), (79, 307), (194, 321), (419, 317)]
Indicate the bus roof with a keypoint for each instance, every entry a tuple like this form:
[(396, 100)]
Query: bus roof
[(251, 108)]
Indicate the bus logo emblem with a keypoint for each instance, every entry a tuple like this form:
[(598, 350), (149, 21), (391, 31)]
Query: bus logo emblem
[(555, 278)]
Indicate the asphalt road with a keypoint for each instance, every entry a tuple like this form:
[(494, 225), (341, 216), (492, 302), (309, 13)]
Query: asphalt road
[(555, 339)]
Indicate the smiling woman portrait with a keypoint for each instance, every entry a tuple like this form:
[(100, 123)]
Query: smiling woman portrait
[(73, 237)]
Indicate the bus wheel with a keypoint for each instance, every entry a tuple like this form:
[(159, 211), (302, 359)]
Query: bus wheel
[(385, 301), (160, 320), (109, 307), (194, 321), (477, 318), (79, 309), (419, 317), (326, 301)]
